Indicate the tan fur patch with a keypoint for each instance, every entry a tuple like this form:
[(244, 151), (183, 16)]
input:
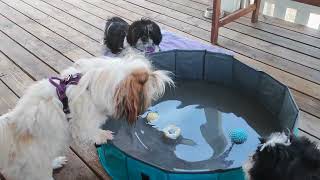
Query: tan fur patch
[(141, 76), (24, 138), (131, 95)]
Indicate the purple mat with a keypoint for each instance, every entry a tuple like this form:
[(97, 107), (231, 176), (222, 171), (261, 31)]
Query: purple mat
[(171, 41)]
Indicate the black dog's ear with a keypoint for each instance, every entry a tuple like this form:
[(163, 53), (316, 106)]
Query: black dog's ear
[(156, 34), (115, 31), (115, 38), (107, 26), (133, 34), (115, 43)]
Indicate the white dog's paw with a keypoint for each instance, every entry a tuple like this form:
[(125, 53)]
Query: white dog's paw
[(58, 162), (103, 136)]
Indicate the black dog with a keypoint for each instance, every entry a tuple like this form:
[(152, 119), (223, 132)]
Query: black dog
[(144, 35), (115, 32), (282, 157)]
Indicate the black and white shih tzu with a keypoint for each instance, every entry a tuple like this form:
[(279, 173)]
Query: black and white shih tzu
[(145, 36), (284, 157), (115, 33)]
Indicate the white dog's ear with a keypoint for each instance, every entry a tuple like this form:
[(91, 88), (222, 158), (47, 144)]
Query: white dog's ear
[(131, 96), (159, 79)]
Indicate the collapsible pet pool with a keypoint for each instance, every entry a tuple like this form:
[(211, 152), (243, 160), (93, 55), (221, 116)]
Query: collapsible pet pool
[(214, 96)]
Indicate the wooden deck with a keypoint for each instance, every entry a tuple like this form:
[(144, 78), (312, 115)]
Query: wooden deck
[(39, 38)]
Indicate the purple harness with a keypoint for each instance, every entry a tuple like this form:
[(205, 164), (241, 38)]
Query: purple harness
[(61, 88)]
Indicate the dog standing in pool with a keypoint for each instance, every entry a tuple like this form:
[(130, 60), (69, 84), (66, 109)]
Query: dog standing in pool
[(36, 133), (283, 157)]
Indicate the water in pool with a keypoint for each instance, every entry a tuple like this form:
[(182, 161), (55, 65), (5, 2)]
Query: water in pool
[(205, 113)]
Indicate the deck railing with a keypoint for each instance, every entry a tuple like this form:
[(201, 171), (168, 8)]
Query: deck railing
[(290, 10)]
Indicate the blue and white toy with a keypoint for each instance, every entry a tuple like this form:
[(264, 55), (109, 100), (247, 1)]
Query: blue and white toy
[(238, 136)]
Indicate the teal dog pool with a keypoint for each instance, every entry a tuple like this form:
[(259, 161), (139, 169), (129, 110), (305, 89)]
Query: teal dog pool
[(214, 95)]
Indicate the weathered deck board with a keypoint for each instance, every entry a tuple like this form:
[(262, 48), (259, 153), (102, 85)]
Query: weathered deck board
[(302, 38), (302, 133), (181, 8), (7, 99), (276, 39), (13, 76), (55, 41), (309, 124), (270, 48), (95, 21), (84, 28), (204, 2), (52, 58), (192, 4), (271, 60), (54, 26), (75, 169), (21, 57), (290, 26)]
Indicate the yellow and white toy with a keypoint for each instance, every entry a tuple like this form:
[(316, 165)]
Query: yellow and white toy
[(152, 116)]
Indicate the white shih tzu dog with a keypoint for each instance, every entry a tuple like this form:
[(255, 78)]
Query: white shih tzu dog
[(37, 132)]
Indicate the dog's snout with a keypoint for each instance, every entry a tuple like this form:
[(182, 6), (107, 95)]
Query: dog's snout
[(144, 39), (141, 76)]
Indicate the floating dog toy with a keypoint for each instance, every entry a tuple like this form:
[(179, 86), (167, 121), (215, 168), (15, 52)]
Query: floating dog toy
[(151, 116), (172, 131), (238, 136)]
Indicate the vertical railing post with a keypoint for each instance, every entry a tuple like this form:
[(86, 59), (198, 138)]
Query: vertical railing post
[(215, 21), (255, 13)]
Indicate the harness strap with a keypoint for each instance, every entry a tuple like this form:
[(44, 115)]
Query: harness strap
[(61, 88)]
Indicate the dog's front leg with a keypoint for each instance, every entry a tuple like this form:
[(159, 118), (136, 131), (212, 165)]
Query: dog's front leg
[(99, 135), (89, 130), (59, 162)]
